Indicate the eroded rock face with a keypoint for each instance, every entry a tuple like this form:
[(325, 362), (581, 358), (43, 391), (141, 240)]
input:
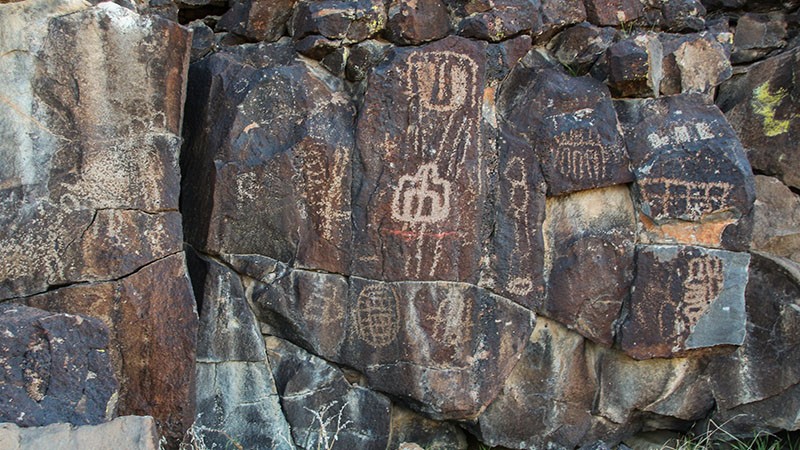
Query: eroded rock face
[(130, 432), (55, 368), (89, 188)]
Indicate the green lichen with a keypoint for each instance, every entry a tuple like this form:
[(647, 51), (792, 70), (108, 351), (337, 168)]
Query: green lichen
[(764, 104)]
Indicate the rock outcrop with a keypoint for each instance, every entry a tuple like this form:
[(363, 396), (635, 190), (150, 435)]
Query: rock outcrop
[(386, 224)]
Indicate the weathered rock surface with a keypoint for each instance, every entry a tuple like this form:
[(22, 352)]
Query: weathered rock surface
[(348, 20), (236, 397), (259, 20), (762, 106), (776, 223), (756, 386), (685, 298), (613, 12), (589, 259), (89, 187), (578, 47), (54, 368), (693, 181), (498, 20), (322, 407), (409, 427), (412, 23), (756, 35), (694, 63), (631, 67), (128, 432)]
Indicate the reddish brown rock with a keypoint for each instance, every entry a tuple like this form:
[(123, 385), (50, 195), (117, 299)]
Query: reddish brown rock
[(631, 67), (694, 63), (415, 22), (693, 182), (276, 143), (776, 223), (54, 368), (420, 187), (347, 20), (613, 12), (756, 35), (500, 20), (578, 47), (153, 325), (762, 106), (685, 298), (575, 132), (589, 259), (557, 14), (259, 20)]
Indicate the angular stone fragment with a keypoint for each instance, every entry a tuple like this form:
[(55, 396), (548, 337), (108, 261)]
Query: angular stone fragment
[(469, 336), (756, 35), (685, 298), (156, 374), (129, 432), (54, 368), (575, 131), (274, 137), (259, 20), (501, 20), (679, 15), (693, 63), (612, 12), (322, 407), (547, 399), (632, 67), (557, 14), (408, 426), (363, 57), (202, 39), (762, 106), (412, 23), (776, 224), (348, 20), (589, 259), (578, 47), (693, 182), (420, 187)]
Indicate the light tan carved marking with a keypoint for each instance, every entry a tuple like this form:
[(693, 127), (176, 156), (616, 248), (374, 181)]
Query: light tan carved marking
[(520, 199), (443, 80), (702, 285), (681, 134), (692, 199), (422, 198), (581, 154), (452, 319), (376, 315), (325, 188)]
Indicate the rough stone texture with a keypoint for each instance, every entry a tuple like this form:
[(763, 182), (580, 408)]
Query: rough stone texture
[(412, 23), (677, 15), (129, 432), (759, 380), (89, 187), (693, 63), (156, 373), (685, 298), (322, 407), (470, 336), (589, 254), (409, 427), (202, 39), (363, 57), (348, 20), (575, 131), (578, 47), (247, 138), (548, 397), (776, 224), (420, 187), (613, 12), (557, 14), (499, 20), (756, 35), (693, 181), (54, 368), (236, 396), (259, 20), (762, 106), (631, 67)]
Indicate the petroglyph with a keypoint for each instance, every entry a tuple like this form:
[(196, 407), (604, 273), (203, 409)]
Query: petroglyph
[(702, 285), (681, 134), (580, 154), (443, 81), (422, 198), (452, 319), (325, 187), (686, 199), (376, 315), (520, 200)]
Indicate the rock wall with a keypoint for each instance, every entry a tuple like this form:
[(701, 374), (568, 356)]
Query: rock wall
[(537, 224)]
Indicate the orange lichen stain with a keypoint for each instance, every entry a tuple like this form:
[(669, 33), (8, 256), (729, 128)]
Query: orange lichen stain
[(693, 233)]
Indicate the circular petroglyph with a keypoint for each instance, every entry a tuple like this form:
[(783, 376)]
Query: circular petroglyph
[(376, 315)]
